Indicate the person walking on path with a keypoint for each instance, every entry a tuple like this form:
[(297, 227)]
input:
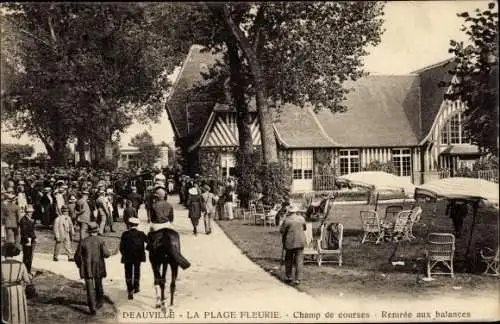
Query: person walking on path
[(83, 213), (209, 201), (28, 236), (132, 248), (228, 202), (294, 240), (195, 208), (103, 212), (89, 258), (63, 232), (135, 198), (148, 201), (14, 280), (11, 215)]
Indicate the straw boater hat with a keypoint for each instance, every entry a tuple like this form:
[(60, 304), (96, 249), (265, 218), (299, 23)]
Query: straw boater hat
[(30, 208), (206, 187), (160, 193), (193, 191), (134, 220), (47, 189)]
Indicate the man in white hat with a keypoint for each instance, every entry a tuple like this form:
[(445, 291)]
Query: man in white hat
[(133, 253), (294, 240), (83, 213), (103, 212)]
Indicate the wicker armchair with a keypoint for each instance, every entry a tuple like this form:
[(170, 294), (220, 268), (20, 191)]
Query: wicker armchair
[(372, 229), (440, 250)]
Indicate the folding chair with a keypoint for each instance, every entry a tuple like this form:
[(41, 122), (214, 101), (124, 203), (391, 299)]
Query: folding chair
[(324, 247), (440, 250), (372, 229), (491, 258)]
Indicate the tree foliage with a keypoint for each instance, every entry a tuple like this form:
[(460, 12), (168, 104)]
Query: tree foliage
[(82, 70), (14, 153), (298, 52), (477, 75), (149, 152)]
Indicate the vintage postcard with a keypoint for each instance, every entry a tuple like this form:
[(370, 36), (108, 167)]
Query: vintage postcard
[(250, 162)]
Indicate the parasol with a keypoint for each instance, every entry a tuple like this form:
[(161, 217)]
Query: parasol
[(469, 189), (379, 180)]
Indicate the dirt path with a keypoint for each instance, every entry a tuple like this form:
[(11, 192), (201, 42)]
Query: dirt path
[(221, 285)]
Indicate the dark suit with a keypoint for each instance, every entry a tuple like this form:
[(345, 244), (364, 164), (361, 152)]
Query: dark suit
[(89, 258), (136, 200), (161, 212), (133, 253), (128, 212), (48, 210), (294, 241)]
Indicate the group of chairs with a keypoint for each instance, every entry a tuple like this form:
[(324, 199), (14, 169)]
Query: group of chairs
[(397, 224)]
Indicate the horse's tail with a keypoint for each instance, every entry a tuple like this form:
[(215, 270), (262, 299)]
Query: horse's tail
[(175, 250)]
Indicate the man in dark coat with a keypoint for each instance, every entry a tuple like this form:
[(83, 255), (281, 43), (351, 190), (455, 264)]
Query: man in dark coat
[(47, 202), (135, 198), (132, 244), (89, 258), (294, 240)]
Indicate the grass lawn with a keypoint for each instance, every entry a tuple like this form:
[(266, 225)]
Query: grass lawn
[(367, 270), (61, 300), (46, 241)]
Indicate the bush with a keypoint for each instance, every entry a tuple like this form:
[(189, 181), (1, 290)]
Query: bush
[(275, 186), (379, 166)]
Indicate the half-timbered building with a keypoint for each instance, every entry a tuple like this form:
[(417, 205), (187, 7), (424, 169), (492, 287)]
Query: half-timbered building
[(399, 119)]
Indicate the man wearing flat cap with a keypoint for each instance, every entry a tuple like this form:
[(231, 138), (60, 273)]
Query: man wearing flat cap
[(89, 259)]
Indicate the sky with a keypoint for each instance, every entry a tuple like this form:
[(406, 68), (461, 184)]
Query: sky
[(417, 34)]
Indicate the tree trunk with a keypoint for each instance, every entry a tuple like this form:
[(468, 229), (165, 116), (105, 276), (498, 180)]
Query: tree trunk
[(81, 149), (238, 96), (58, 157), (269, 148)]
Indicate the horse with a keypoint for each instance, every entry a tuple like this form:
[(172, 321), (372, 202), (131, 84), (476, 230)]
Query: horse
[(165, 250)]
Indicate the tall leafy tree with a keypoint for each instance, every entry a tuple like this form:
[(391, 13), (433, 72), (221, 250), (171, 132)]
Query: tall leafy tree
[(149, 152), (296, 53), (477, 75), (82, 70)]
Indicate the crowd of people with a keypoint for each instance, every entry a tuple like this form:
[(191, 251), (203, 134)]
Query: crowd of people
[(84, 203)]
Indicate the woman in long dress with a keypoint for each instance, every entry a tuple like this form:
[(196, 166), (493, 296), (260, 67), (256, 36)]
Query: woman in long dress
[(194, 205), (14, 279)]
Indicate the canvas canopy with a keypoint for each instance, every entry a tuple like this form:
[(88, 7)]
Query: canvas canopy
[(460, 188), (380, 180)]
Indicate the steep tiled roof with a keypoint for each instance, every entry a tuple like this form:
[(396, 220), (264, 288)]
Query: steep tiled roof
[(382, 110), (432, 94), (297, 127), (183, 114)]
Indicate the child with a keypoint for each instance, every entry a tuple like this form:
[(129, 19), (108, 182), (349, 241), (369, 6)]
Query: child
[(63, 232), (132, 249), (28, 237)]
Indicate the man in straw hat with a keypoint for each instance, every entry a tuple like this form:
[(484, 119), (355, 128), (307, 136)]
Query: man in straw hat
[(294, 240), (209, 200), (11, 215), (63, 233), (28, 236), (89, 258), (133, 253)]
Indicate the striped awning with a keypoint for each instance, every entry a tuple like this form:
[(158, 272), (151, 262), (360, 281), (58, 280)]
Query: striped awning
[(460, 188)]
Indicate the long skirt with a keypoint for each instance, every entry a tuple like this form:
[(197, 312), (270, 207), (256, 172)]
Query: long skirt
[(14, 307)]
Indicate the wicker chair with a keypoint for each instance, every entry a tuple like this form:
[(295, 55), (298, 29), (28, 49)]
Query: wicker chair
[(372, 229), (249, 214), (401, 227), (440, 250), (391, 212), (310, 250), (324, 251), (491, 258)]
